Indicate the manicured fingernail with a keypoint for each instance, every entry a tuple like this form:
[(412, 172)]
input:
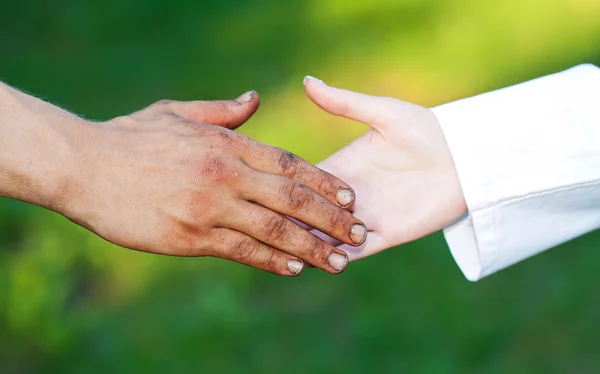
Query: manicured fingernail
[(295, 266), (337, 261), (358, 234), (345, 197), (246, 98), (308, 77)]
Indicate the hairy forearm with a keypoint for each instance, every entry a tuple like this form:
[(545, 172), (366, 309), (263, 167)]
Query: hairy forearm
[(37, 149)]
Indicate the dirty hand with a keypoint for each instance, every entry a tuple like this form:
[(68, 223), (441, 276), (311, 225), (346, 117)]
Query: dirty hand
[(167, 180), (401, 169)]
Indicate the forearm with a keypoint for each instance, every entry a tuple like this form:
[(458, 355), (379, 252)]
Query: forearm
[(37, 149)]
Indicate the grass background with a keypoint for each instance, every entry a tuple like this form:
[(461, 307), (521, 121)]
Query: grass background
[(70, 302)]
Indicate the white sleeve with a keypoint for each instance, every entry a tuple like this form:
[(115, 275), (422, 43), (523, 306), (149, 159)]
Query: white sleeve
[(528, 160)]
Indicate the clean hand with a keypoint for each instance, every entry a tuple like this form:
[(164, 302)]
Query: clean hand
[(401, 169)]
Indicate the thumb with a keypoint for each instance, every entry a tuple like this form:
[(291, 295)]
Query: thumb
[(225, 113), (379, 112)]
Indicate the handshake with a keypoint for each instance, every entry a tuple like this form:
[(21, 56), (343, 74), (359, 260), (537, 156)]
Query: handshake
[(175, 179)]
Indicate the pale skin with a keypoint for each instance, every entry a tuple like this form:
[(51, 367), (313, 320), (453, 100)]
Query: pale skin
[(401, 169), (174, 179)]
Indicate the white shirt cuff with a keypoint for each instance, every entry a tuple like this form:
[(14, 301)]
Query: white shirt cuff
[(528, 159)]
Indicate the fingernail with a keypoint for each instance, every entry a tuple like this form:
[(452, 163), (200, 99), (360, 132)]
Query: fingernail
[(308, 77), (295, 266), (345, 197), (358, 234), (337, 261), (246, 98)]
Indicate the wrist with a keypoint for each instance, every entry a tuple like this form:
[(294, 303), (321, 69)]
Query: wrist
[(458, 197), (39, 150), (457, 205)]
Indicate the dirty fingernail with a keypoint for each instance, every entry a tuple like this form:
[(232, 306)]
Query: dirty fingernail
[(246, 98), (309, 78), (337, 261), (358, 234), (345, 197), (295, 266)]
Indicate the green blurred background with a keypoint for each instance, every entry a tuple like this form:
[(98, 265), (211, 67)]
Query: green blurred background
[(70, 302)]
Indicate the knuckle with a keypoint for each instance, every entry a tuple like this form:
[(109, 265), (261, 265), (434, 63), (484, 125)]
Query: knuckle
[(297, 195), (273, 261), (186, 238), (162, 103), (246, 249), (325, 184), (214, 169), (342, 109), (288, 163), (126, 121), (221, 137), (275, 228), (317, 251), (222, 106), (339, 218), (254, 148)]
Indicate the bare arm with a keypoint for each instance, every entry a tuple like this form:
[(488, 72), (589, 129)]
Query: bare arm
[(38, 147), (167, 180)]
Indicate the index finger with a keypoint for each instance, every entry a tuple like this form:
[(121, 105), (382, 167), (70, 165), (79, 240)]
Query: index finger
[(277, 161)]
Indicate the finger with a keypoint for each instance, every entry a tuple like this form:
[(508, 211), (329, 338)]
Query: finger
[(225, 113), (278, 231), (296, 200), (375, 244), (328, 239), (273, 160), (372, 110), (236, 246)]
